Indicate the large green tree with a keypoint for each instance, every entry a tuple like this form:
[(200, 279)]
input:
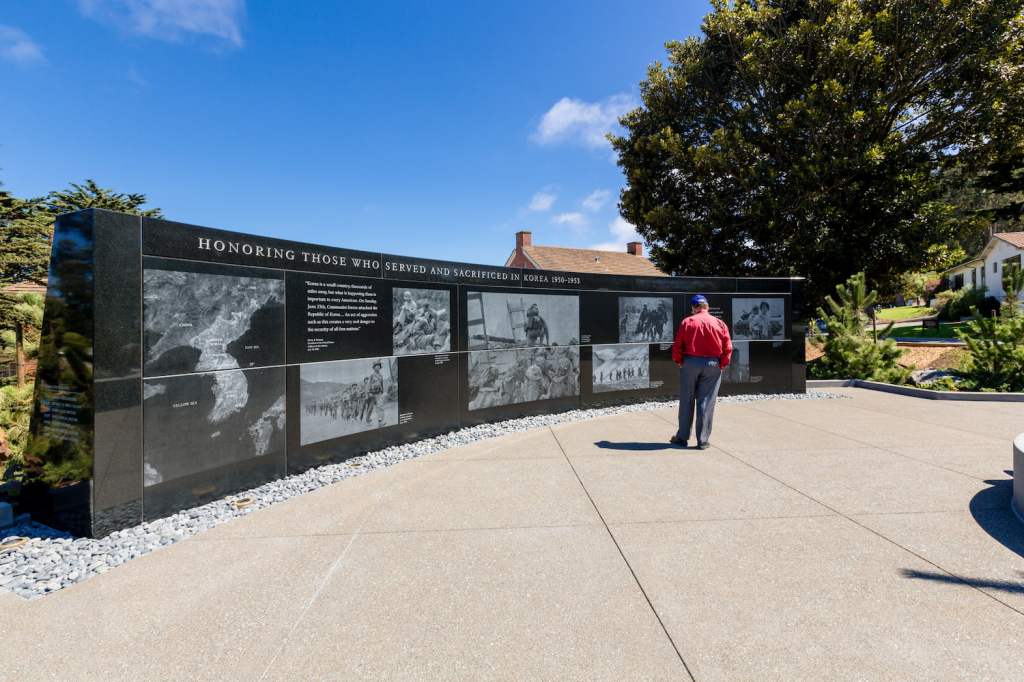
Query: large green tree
[(810, 137), (24, 239), (91, 195), (26, 225)]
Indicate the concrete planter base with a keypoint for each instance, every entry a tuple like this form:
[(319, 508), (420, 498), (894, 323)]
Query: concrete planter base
[(918, 392), (1017, 503)]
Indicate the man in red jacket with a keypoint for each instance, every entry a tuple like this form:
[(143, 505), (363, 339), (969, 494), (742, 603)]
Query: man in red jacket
[(702, 349)]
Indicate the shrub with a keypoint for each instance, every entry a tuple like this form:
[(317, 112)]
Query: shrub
[(989, 307), (850, 351), (955, 305), (15, 411)]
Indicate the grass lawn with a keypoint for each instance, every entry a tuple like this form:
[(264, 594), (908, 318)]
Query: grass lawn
[(945, 331), (904, 312)]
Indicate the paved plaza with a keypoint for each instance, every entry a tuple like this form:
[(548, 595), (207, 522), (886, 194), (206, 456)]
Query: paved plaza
[(860, 538)]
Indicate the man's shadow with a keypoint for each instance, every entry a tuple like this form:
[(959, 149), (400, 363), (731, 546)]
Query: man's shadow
[(635, 446)]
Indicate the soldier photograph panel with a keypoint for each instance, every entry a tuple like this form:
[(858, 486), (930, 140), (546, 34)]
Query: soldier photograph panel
[(521, 319), (758, 319), (507, 377), (738, 371), (422, 321), (347, 396), (644, 319), (621, 367), (200, 321)]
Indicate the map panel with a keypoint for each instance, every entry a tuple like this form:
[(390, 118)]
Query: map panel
[(198, 422), (196, 321)]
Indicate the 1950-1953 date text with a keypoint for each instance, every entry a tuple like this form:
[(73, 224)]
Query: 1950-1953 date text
[(552, 279)]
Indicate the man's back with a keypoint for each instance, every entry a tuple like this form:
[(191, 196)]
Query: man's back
[(703, 335)]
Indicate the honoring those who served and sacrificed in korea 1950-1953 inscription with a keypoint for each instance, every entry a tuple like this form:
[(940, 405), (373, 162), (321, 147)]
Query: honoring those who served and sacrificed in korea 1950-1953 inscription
[(179, 364)]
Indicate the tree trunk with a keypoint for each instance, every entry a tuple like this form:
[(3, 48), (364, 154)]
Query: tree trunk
[(19, 353)]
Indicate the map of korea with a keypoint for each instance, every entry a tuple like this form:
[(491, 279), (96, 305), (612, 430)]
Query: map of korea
[(204, 312)]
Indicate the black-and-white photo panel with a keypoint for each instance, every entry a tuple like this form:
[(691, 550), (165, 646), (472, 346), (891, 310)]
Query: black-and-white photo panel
[(199, 318), (521, 319), (758, 319), (344, 397), (644, 319), (738, 371), (422, 321), (621, 367), (522, 375)]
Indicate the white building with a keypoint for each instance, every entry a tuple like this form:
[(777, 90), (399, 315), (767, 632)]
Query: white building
[(986, 269)]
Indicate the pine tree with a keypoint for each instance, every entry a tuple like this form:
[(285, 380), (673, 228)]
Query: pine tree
[(91, 195), (26, 225), (1013, 285), (850, 352), (996, 344), (24, 239)]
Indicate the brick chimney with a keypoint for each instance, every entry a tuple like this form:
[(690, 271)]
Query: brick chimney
[(635, 249), (524, 238)]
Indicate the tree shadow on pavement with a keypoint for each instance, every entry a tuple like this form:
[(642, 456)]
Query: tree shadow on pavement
[(981, 583), (991, 511), (635, 447)]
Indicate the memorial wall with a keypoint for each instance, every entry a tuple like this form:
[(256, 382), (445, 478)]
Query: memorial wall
[(179, 364)]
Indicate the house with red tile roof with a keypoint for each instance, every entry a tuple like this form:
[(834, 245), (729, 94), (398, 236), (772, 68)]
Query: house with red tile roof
[(986, 269), (628, 262)]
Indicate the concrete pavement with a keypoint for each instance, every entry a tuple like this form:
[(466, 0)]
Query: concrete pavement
[(866, 538)]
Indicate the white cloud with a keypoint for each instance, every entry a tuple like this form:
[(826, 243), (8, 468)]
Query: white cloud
[(577, 222), (596, 200), (586, 123), (17, 47), (622, 233), (542, 201), (171, 19), (623, 230)]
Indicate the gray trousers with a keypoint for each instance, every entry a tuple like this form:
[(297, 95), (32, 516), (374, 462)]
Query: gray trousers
[(699, 379)]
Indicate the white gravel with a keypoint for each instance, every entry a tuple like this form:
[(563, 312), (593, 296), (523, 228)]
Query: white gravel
[(51, 560)]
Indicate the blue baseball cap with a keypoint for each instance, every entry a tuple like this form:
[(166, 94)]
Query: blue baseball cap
[(698, 299)]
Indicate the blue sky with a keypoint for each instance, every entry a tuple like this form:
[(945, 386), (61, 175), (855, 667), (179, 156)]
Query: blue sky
[(424, 129)]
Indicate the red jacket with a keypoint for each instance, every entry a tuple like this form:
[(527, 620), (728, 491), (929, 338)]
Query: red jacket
[(703, 335)]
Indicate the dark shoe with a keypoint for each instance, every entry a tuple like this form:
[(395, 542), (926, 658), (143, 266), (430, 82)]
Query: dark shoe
[(676, 440), (703, 446)]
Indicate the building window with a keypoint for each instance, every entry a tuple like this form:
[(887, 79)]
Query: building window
[(995, 266), (974, 278), (958, 281), (983, 272)]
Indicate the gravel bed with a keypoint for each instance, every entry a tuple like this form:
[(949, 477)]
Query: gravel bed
[(51, 560)]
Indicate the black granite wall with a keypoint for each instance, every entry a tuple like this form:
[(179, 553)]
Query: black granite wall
[(181, 363)]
